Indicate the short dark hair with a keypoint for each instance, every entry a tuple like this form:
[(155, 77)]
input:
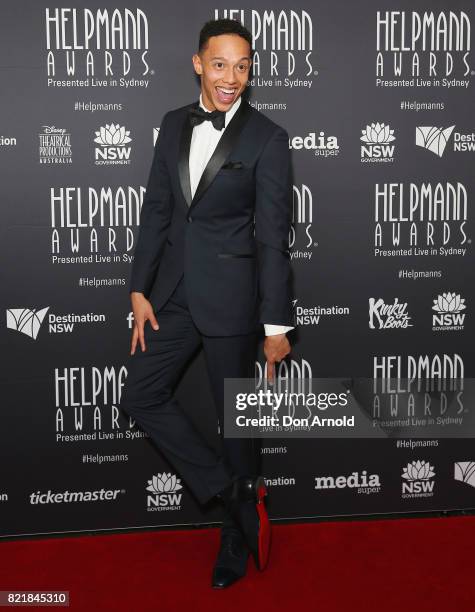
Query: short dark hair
[(215, 27)]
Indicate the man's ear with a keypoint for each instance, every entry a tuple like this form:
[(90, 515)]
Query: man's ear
[(197, 64)]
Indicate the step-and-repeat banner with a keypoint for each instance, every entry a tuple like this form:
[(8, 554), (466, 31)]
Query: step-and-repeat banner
[(378, 103)]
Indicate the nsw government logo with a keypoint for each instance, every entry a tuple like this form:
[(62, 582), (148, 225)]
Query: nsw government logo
[(377, 148), (448, 307), (417, 481), (164, 487), (112, 150)]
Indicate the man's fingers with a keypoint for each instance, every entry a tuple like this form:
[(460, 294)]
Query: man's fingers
[(141, 335), (270, 371), (154, 322), (134, 340)]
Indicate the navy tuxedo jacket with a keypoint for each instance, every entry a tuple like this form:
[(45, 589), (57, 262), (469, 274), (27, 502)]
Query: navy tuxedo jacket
[(231, 240)]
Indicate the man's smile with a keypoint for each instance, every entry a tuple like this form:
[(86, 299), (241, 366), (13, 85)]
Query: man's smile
[(225, 94)]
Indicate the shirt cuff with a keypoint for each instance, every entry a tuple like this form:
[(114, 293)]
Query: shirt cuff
[(272, 330)]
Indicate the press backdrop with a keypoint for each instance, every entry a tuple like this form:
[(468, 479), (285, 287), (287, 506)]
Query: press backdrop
[(378, 104)]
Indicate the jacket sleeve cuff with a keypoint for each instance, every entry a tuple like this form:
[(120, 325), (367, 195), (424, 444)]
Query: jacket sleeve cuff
[(273, 330)]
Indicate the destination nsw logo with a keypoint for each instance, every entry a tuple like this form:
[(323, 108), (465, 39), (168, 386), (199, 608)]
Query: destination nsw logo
[(436, 139), (464, 471), (164, 487), (28, 321)]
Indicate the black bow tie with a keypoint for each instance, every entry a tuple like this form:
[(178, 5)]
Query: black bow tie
[(198, 115)]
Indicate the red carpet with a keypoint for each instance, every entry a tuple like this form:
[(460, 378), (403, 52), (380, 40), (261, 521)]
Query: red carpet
[(412, 564)]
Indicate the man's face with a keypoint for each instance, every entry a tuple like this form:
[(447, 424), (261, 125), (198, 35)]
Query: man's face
[(224, 70)]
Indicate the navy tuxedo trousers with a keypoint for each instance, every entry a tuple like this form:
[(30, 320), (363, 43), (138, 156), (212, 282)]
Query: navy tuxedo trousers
[(148, 397)]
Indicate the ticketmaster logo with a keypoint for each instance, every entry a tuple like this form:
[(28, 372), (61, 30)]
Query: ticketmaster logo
[(433, 138), (39, 498)]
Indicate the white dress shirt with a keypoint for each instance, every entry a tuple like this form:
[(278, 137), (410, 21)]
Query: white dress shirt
[(204, 139)]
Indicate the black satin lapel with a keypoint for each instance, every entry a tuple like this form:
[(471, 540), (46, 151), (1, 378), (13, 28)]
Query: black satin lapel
[(224, 147), (183, 157)]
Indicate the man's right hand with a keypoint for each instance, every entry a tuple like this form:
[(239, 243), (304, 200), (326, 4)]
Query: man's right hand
[(143, 311)]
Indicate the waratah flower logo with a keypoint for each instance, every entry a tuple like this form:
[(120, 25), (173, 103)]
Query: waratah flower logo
[(112, 135), (377, 133), (449, 302), (164, 483), (418, 470)]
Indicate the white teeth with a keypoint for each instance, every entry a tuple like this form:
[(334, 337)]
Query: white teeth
[(228, 91)]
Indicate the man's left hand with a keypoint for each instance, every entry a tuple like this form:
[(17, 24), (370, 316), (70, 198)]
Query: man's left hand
[(275, 349)]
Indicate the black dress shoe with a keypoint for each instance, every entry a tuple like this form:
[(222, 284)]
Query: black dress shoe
[(244, 500), (231, 563)]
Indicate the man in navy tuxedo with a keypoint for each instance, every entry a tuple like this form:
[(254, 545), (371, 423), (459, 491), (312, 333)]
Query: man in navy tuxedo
[(211, 267)]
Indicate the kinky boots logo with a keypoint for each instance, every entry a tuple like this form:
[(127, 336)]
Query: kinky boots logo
[(96, 47), (282, 42), (388, 316), (423, 49), (420, 220), (301, 241), (87, 405), (164, 488), (94, 226)]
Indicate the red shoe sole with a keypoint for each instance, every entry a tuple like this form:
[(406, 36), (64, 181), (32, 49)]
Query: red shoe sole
[(264, 537)]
